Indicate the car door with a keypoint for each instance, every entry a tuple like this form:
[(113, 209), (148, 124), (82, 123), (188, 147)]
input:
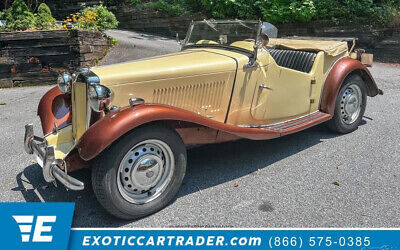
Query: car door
[(280, 94)]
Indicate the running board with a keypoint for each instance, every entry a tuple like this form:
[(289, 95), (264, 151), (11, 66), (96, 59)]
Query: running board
[(300, 123)]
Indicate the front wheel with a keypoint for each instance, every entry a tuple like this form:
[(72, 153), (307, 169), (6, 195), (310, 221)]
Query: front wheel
[(350, 105), (140, 173)]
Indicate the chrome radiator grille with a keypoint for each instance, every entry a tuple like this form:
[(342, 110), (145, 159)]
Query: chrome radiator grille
[(79, 109)]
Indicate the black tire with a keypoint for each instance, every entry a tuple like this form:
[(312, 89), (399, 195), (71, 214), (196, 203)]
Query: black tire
[(336, 124), (105, 172)]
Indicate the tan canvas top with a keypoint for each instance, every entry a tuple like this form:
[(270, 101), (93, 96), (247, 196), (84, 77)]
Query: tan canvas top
[(332, 48)]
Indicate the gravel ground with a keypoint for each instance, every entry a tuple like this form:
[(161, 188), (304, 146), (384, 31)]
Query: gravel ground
[(285, 182)]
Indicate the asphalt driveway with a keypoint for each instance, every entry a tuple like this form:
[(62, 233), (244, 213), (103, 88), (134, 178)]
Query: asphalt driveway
[(285, 182)]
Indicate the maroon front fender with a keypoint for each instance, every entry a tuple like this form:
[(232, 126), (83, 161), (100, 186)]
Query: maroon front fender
[(111, 127), (336, 76), (54, 108)]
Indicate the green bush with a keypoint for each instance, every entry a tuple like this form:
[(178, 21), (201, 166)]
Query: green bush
[(97, 17), (19, 17), (5, 15), (133, 1), (286, 11), (282, 11), (44, 19), (104, 19), (243, 9), (166, 6)]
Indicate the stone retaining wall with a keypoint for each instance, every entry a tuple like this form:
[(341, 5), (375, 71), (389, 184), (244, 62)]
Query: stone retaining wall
[(33, 57)]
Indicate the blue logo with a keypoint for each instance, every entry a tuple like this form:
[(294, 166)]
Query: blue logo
[(35, 225)]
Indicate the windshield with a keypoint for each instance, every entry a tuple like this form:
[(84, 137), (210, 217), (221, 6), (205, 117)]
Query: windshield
[(221, 33)]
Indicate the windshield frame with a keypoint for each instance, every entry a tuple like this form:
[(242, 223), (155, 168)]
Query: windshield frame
[(185, 44)]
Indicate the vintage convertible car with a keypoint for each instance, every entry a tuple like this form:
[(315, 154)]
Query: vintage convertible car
[(132, 122)]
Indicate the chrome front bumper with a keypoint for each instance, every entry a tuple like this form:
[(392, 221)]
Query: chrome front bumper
[(52, 167)]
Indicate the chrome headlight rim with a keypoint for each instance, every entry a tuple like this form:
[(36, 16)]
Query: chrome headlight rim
[(99, 97), (64, 82)]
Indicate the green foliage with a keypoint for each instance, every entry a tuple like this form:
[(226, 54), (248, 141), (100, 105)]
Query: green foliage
[(44, 19), (380, 11), (19, 16), (112, 40), (97, 17), (243, 9), (133, 1), (170, 7), (286, 11), (104, 18), (282, 11), (5, 15)]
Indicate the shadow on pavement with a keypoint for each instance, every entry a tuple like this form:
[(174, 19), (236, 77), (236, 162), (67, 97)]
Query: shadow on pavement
[(208, 166), (150, 37)]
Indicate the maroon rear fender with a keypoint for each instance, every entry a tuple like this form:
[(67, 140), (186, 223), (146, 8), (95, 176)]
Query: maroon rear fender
[(336, 76), (114, 125), (54, 108)]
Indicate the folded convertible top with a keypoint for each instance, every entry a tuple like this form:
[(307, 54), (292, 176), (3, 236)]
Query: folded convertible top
[(332, 48)]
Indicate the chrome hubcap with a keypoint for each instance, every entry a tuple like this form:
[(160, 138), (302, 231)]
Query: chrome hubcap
[(351, 104), (145, 171)]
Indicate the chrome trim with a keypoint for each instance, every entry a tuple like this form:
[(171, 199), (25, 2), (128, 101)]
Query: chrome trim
[(97, 94), (275, 124), (91, 80), (67, 180), (114, 108), (135, 102), (52, 167), (27, 138), (64, 82), (88, 111), (263, 86)]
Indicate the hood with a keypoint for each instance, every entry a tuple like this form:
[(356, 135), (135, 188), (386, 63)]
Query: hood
[(175, 65)]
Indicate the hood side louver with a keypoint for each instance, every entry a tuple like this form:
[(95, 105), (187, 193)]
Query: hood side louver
[(201, 98)]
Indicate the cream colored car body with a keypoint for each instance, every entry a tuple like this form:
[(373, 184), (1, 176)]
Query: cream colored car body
[(201, 80), (214, 83)]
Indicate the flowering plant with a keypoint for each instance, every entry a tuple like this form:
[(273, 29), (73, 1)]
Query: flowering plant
[(92, 18)]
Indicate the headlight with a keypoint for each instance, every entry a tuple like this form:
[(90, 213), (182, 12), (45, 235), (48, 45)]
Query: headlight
[(99, 97), (64, 82)]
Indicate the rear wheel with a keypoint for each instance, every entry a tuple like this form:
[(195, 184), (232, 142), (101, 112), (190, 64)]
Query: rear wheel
[(350, 105), (140, 173)]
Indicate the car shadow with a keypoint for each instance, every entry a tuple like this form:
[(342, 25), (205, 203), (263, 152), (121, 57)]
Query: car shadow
[(211, 165), (208, 166), (145, 36)]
